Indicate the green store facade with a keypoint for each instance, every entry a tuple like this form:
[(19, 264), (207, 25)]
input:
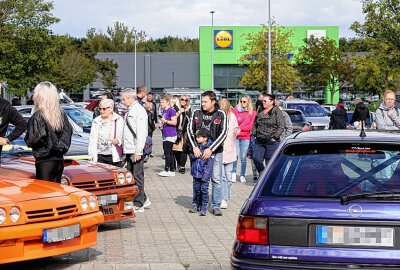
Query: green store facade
[(221, 45)]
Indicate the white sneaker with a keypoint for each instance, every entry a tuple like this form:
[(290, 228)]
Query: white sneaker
[(233, 177), (138, 209), (147, 203), (163, 173), (171, 173), (242, 179), (224, 204)]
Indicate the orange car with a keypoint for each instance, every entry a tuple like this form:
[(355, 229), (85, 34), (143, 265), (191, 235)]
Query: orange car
[(113, 186), (41, 219)]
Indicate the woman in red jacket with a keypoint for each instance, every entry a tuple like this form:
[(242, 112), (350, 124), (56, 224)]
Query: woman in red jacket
[(245, 116)]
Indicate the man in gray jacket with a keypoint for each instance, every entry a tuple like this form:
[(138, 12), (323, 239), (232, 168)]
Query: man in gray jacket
[(387, 115), (135, 133)]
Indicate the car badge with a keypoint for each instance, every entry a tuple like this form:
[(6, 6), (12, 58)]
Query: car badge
[(355, 210)]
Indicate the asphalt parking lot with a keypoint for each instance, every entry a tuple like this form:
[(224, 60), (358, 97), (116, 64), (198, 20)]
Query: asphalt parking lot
[(166, 236)]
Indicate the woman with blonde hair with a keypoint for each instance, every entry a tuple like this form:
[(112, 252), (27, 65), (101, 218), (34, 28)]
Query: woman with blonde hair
[(106, 135), (49, 133), (229, 154), (245, 116)]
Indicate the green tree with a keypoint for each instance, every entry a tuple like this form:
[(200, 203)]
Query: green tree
[(382, 30), (284, 75), (25, 42), (321, 64)]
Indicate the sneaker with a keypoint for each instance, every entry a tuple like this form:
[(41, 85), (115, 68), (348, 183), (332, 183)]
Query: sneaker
[(233, 177), (182, 170), (166, 174), (255, 178), (242, 179), (217, 212), (203, 212), (146, 158), (151, 155), (138, 209), (193, 209), (147, 203), (224, 204)]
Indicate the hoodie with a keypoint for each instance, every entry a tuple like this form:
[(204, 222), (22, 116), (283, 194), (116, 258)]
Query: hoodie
[(385, 121), (202, 169)]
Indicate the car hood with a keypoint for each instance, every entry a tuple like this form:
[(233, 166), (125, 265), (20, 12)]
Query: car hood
[(76, 171), (16, 190)]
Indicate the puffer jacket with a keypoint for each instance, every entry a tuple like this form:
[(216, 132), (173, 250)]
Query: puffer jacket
[(269, 126), (202, 168), (45, 142), (385, 121)]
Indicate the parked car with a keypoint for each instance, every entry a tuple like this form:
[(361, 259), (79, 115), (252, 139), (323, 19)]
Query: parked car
[(115, 187), (329, 107), (312, 110), (79, 118), (327, 200), (298, 119), (41, 219)]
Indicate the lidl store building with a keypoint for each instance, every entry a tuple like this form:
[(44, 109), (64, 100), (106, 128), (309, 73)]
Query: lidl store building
[(220, 47)]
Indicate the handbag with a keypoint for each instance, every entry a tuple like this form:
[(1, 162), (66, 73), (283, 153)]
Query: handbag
[(119, 148)]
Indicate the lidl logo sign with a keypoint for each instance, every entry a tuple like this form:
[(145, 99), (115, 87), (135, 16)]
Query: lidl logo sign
[(223, 39)]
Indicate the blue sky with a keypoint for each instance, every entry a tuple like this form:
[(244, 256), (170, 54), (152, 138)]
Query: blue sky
[(182, 18)]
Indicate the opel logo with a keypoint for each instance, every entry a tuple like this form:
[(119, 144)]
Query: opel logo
[(355, 210)]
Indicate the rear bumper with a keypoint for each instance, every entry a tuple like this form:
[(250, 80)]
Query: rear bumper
[(24, 242), (256, 264)]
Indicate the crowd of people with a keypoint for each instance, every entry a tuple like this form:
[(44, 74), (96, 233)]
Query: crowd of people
[(218, 138)]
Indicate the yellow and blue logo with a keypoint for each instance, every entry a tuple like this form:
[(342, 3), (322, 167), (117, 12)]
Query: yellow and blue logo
[(223, 39)]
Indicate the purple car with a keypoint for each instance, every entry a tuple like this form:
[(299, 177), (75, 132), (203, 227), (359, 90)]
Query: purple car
[(328, 199)]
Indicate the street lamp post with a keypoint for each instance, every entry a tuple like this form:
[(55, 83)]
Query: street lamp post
[(212, 49), (269, 48), (134, 31)]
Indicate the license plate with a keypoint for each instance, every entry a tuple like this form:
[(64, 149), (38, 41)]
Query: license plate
[(108, 199), (355, 236), (61, 233)]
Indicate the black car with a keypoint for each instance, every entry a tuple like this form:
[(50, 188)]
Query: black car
[(298, 119)]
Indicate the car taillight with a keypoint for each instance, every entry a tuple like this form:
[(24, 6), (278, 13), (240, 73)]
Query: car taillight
[(252, 230)]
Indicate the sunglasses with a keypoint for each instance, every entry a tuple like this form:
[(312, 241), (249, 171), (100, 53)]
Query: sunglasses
[(243, 101), (182, 99), (103, 109)]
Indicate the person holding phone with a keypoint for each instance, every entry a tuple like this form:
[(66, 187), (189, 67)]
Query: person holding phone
[(168, 121)]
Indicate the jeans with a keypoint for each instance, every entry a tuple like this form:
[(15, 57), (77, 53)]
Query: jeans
[(138, 173), (200, 193), (226, 181), (216, 192), (263, 152), (241, 148), (169, 156)]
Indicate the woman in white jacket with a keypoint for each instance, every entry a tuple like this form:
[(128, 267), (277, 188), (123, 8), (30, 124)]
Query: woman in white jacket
[(106, 135)]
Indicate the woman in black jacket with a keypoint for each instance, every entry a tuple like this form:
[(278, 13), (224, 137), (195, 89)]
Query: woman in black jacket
[(49, 133)]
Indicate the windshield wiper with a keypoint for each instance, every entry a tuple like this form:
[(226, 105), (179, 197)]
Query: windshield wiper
[(375, 195)]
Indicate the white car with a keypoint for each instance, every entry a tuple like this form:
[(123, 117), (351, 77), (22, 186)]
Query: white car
[(80, 118), (314, 113)]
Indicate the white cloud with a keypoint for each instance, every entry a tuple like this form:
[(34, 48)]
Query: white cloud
[(183, 18)]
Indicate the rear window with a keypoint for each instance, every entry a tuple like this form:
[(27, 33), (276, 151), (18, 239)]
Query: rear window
[(296, 116), (334, 170)]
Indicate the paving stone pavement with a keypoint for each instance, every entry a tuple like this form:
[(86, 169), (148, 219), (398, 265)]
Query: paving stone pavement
[(164, 237)]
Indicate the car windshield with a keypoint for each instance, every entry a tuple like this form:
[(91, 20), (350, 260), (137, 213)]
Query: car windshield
[(81, 117), (296, 116), (334, 170), (309, 110)]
